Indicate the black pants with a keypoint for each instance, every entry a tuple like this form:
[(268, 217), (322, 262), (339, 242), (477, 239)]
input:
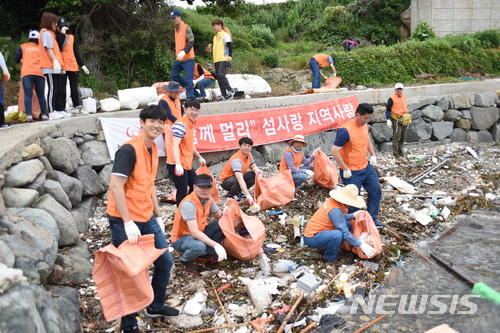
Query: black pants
[(73, 85), (220, 70), (56, 96), (231, 184), (181, 183), (214, 232)]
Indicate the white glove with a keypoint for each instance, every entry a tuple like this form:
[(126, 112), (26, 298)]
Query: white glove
[(373, 160), (250, 199), (347, 174), (389, 123), (357, 212), (368, 250), (85, 69), (161, 223), (57, 67), (6, 76), (64, 29), (221, 252), (179, 170), (309, 173), (132, 231), (181, 55), (258, 172), (315, 151), (202, 161)]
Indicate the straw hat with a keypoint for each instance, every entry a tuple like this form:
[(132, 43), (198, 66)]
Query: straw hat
[(348, 196), (298, 138)]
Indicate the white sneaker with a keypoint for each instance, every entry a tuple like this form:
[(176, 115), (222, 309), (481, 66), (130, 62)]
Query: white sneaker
[(45, 117), (55, 115), (66, 114), (5, 126)]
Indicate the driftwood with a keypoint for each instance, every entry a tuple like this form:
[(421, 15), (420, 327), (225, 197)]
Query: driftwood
[(373, 322)]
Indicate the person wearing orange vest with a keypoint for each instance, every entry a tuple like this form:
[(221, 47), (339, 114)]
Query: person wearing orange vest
[(6, 77), (294, 160), (317, 63), (350, 148), (71, 58), (234, 175), (181, 149), (201, 79), (52, 67), (330, 225), (184, 50), (395, 109), (192, 234), (170, 102), (31, 75), (133, 208)]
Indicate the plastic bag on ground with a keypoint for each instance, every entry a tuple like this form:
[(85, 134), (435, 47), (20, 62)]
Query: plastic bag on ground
[(325, 172)]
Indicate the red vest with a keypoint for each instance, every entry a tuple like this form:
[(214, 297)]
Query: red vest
[(322, 59), (297, 159), (180, 227), (320, 221), (186, 147), (31, 60), (207, 74), (180, 41), (45, 60), (399, 104), (140, 183), (354, 152), (68, 54), (227, 171)]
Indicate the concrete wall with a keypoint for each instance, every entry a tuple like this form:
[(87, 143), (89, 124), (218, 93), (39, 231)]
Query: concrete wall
[(456, 16)]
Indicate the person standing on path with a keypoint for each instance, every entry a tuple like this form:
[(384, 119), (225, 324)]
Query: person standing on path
[(394, 112), (350, 148), (6, 77), (317, 63), (133, 208), (184, 50), (222, 52)]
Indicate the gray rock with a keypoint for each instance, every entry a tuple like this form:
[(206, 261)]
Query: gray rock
[(463, 124), (385, 147), (37, 183), (18, 312), (77, 266), (360, 87), (69, 301), (6, 255), (94, 153), (432, 112), (87, 206), (72, 186), (479, 137), (62, 153), (378, 114), (33, 151), (57, 192), (91, 184), (418, 130), (495, 133), (416, 114), (483, 118), (78, 140), (3, 209), (23, 173), (443, 103), (323, 140), (100, 136), (452, 115), (105, 174), (451, 104), (485, 99), (413, 105), (381, 132), (67, 228), (216, 157), (273, 152), (466, 114), (162, 170), (441, 130), (463, 101), (257, 157), (19, 197), (88, 137), (81, 221)]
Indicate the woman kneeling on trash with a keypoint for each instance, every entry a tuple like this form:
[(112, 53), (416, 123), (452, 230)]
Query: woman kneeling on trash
[(330, 225)]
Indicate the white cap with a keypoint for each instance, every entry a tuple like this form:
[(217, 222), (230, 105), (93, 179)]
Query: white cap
[(34, 34), (398, 86)]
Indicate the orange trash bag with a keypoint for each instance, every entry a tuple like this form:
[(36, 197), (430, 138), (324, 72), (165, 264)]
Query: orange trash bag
[(325, 172), (274, 191), (122, 276), (244, 235), (213, 192), (364, 229)]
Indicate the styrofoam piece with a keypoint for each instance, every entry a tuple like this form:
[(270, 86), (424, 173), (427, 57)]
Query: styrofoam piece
[(308, 282), (445, 212), (423, 218), (110, 104), (400, 184), (249, 83), (258, 293), (429, 182), (143, 95), (89, 105)]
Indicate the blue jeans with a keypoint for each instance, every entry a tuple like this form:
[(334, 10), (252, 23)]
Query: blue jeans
[(187, 81), (367, 178), (205, 83), (163, 265), (299, 178), (39, 81), (316, 75), (330, 240), (192, 248)]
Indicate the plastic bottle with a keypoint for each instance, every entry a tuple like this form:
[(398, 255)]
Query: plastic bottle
[(264, 264), (250, 269), (348, 292), (284, 265)]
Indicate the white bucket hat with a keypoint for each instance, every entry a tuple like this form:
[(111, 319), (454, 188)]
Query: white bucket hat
[(298, 138)]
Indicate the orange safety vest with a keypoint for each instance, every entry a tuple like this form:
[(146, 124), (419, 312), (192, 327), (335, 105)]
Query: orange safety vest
[(227, 171), (399, 105), (31, 60), (175, 108), (322, 59), (68, 55), (207, 74), (354, 152), (320, 221), (297, 159), (180, 41), (186, 147), (140, 183), (180, 227), (45, 60)]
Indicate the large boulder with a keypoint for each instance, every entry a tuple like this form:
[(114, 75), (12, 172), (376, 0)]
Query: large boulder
[(381, 132), (38, 182), (458, 135), (463, 124), (479, 137), (413, 105), (452, 115), (378, 114), (273, 152), (76, 264), (91, 184), (57, 192), (23, 173), (485, 99), (32, 151), (495, 133), (105, 175), (71, 186), (483, 118), (441, 130), (94, 153), (432, 113), (19, 197), (62, 153), (464, 101), (418, 130), (18, 310), (443, 103)]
